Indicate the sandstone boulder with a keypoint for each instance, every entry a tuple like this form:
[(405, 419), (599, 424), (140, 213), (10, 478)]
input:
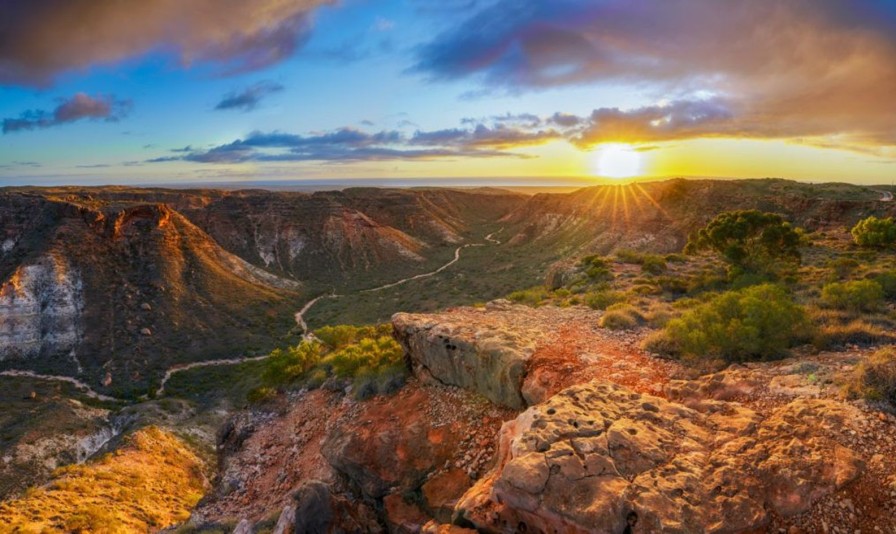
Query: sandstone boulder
[(599, 456), (489, 361)]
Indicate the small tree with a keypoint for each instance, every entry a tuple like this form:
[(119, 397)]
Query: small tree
[(874, 232), (749, 240)]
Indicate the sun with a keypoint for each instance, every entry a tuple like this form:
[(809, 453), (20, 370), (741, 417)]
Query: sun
[(617, 160)]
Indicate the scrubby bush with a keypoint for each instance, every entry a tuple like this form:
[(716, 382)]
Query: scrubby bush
[(601, 300), (675, 285), (285, 366), (874, 232), (365, 356), (857, 332), (758, 322), (261, 394), (531, 297), (339, 336), (653, 264), (887, 281), (843, 267), (874, 378), (597, 268), (749, 240), (660, 342), (369, 354), (855, 296), (621, 316)]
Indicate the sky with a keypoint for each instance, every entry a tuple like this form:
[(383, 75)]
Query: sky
[(533, 91)]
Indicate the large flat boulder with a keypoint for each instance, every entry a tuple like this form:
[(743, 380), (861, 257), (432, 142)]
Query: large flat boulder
[(518, 356), (599, 457)]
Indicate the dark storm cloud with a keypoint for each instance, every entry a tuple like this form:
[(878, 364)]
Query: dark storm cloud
[(39, 39), (79, 107), (249, 98)]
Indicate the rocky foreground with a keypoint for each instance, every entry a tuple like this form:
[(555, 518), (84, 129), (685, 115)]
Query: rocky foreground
[(537, 420)]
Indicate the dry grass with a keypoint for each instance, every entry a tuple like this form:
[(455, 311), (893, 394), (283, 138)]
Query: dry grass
[(875, 377), (151, 482)]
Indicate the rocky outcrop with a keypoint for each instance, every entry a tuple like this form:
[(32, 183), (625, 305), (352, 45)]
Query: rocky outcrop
[(396, 445), (518, 356), (598, 457), (489, 361)]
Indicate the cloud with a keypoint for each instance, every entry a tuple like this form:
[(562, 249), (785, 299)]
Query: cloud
[(40, 39), (677, 120), (249, 98), (347, 145), (502, 137), (79, 107), (796, 68)]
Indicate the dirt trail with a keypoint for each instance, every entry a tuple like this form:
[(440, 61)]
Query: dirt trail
[(300, 315), (73, 381), (212, 363)]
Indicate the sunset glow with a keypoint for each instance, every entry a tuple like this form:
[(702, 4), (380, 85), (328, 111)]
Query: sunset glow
[(616, 160), (491, 89)]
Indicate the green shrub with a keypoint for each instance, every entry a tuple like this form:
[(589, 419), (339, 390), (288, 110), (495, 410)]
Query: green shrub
[(676, 258), (601, 300), (758, 322), (887, 281), (660, 342), (855, 296), (597, 268), (261, 394), (531, 297), (653, 264), (629, 256), (874, 378), (874, 232), (339, 336), (843, 267), (675, 285), (749, 240), (288, 365), (367, 356)]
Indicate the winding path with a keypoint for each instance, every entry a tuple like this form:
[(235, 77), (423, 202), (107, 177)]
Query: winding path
[(210, 363), (73, 381), (886, 196), (300, 315)]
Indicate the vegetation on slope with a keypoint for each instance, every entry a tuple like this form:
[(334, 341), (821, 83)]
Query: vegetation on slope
[(367, 357), (151, 482)]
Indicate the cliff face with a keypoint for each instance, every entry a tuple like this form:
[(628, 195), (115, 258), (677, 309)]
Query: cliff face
[(41, 309), (115, 294)]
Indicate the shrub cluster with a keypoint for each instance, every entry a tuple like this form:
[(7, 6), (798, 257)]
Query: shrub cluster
[(855, 296), (621, 316), (874, 232), (366, 356), (758, 322)]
